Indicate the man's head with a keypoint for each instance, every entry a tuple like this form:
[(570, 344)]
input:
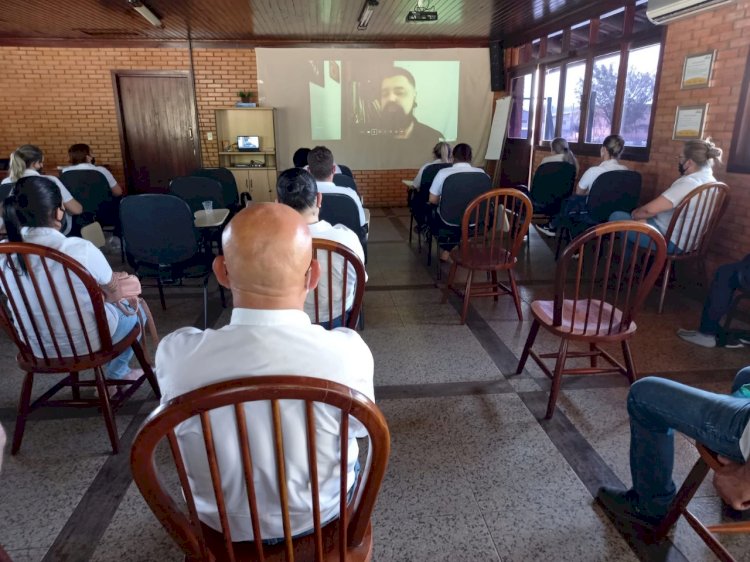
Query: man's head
[(300, 157), (267, 261), (398, 98), (320, 162), (462, 153), (297, 188)]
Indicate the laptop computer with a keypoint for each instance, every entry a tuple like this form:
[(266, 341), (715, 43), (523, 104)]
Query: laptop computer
[(248, 143)]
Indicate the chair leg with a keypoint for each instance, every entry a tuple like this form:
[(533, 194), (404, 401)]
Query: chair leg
[(451, 278), (557, 379), (205, 303), (23, 412), (106, 406), (664, 283), (527, 347), (467, 295), (411, 227), (161, 293), (493, 275), (593, 359), (146, 366), (428, 243), (629, 363), (682, 498), (516, 295), (74, 388)]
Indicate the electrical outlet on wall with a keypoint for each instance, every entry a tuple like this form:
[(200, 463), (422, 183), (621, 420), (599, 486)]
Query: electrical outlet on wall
[(210, 135)]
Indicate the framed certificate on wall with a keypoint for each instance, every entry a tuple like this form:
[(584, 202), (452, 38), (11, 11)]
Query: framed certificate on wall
[(689, 121), (696, 72)]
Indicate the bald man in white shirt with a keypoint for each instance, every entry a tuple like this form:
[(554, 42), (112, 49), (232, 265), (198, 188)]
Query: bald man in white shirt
[(268, 266)]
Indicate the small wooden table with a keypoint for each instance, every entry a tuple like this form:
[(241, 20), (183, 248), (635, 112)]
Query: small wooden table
[(210, 219), (408, 183)]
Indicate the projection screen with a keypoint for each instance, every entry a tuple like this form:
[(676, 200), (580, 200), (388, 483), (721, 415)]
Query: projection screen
[(376, 108)]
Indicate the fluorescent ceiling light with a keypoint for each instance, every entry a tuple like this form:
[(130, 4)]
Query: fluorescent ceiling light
[(364, 17), (142, 9)]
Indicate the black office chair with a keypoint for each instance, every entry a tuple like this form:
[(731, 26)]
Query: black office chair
[(343, 180), (162, 243), (459, 190), (341, 209), (418, 199), (91, 189), (5, 189), (618, 190), (345, 170), (552, 184), (195, 190), (228, 185)]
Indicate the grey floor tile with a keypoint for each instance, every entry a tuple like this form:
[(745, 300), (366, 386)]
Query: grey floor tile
[(27, 554)]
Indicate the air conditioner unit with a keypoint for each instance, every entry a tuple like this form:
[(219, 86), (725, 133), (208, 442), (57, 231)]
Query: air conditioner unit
[(666, 11)]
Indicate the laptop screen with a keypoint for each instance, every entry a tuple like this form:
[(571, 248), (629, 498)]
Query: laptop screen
[(248, 143)]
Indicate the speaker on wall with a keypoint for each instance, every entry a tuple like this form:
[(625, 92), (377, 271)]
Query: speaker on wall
[(497, 67)]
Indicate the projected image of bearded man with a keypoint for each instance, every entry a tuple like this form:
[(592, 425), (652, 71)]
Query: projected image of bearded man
[(398, 98)]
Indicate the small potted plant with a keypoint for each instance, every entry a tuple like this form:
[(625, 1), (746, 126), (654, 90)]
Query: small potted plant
[(245, 99)]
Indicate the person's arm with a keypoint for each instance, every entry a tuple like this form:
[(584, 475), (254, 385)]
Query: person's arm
[(652, 208), (116, 190), (73, 207), (732, 481), (434, 199), (584, 184)]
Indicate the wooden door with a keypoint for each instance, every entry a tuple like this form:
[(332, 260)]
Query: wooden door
[(158, 129), (516, 159), (260, 188)]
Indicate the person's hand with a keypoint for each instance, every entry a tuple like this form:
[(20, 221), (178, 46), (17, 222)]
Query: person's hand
[(732, 481)]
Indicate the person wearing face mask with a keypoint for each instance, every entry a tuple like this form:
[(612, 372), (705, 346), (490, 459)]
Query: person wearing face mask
[(695, 165)]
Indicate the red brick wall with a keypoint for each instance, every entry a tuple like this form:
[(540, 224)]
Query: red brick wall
[(727, 30)]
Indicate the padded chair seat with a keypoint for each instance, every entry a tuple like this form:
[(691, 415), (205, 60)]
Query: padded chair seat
[(484, 258), (578, 316)]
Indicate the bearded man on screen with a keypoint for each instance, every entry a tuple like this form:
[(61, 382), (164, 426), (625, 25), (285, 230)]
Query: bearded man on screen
[(398, 98)]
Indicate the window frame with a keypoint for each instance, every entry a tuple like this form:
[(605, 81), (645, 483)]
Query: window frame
[(622, 45)]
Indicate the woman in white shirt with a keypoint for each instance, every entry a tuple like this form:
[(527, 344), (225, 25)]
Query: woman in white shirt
[(442, 153), (33, 213), (81, 159), (560, 153), (610, 153), (695, 166)]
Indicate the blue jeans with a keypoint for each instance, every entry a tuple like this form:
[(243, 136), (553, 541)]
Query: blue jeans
[(658, 407), (118, 367), (719, 300), (643, 241)]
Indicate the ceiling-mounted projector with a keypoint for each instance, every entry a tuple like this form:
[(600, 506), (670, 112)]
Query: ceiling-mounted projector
[(421, 15)]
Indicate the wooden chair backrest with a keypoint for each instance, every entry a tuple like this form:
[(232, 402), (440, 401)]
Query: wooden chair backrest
[(336, 254), (44, 296), (607, 271), (185, 528), (494, 224), (695, 219)]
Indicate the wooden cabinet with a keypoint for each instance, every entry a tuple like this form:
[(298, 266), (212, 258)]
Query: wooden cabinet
[(255, 172)]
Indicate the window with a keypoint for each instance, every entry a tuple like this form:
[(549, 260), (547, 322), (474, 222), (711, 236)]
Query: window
[(579, 36), (602, 97), (640, 21), (548, 118), (518, 128), (639, 94), (571, 117), (610, 25), (554, 43)]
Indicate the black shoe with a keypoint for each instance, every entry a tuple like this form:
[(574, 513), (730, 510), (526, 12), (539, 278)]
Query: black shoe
[(623, 506), (547, 230)]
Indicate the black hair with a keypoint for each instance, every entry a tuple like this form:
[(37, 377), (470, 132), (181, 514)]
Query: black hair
[(77, 153), (296, 187), (462, 153), (320, 162), (33, 202), (398, 71), (300, 157)]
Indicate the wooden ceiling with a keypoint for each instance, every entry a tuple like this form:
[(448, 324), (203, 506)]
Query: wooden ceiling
[(269, 22)]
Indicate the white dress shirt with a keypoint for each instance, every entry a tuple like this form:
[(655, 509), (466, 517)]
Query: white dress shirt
[(437, 184), (681, 188), (255, 343), (330, 187), (66, 196), (94, 261), (345, 236), (418, 178), (589, 176), (111, 181)]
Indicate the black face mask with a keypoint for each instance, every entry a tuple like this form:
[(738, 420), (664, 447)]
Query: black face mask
[(681, 168)]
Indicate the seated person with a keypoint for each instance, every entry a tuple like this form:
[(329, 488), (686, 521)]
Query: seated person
[(297, 188), (300, 160), (268, 266), (560, 153), (33, 213), (461, 163), (321, 166), (728, 278), (442, 153), (81, 159), (609, 152), (658, 407), (695, 166)]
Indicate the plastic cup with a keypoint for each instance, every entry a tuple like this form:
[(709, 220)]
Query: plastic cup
[(208, 206)]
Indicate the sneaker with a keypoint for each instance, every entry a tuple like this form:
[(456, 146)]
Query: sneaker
[(622, 505), (733, 342), (697, 338), (547, 230)]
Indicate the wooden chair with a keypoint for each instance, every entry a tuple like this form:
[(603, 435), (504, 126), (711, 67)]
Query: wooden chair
[(707, 461), (349, 537), (44, 348), (597, 297), (338, 266), (693, 223), (492, 231)]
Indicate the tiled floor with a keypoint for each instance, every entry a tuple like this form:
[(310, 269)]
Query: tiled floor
[(475, 473)]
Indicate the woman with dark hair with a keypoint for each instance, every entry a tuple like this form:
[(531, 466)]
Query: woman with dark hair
[(81, 159), (34, 213)]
